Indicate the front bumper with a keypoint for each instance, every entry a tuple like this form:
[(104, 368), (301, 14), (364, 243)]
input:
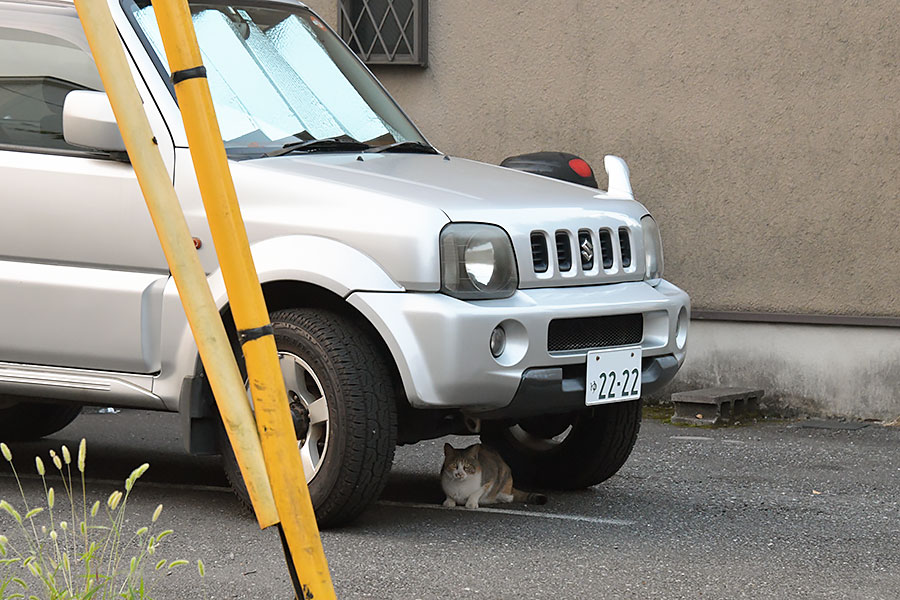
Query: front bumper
[(441, 344), (557, 390)]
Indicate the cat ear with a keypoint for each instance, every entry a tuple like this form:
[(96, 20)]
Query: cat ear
[(472, 451), (448, 450)]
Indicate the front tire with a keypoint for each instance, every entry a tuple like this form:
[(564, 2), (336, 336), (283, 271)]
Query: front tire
[(25, 421), (572, 452), (343, 397)]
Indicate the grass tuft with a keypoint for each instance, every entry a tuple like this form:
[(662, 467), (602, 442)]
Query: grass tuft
[(97, 560)]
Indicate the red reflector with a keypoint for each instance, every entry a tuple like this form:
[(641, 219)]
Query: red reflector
[(581, 168)]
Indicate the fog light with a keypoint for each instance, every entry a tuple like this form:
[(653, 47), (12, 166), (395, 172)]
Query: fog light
[(498, 341)]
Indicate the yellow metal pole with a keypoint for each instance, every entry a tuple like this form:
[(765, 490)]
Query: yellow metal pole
[(274, 422), (178, 247)]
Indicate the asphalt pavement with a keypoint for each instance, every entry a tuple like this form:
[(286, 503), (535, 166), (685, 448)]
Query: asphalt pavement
[(803, 509)]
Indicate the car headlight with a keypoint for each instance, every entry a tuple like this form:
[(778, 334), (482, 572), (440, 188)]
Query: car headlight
[(653, 250), (477, 262)]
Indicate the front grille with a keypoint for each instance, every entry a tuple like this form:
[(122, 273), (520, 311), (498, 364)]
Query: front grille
[(539, 257), (594, 332), (563, 251), (606, 250), (582, 253), (625, 244)]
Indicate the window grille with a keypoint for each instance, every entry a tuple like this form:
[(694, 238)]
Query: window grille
[(386, 32)]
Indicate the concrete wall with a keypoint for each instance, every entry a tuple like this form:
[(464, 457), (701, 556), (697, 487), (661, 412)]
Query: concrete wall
[(764, 136), (808, 369)]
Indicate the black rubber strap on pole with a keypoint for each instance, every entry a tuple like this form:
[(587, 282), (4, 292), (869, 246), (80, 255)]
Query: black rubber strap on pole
[(248, 335), (301, 591), (193, 73)]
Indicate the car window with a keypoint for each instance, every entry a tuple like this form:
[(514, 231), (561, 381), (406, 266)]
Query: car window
[(37, 70), (277, 75)]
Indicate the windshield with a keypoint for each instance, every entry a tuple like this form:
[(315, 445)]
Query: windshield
[(278, 75)]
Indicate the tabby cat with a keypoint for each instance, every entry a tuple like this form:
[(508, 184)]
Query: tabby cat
[(477, 475)]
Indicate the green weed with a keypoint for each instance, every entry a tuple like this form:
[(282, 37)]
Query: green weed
[(73, 551)]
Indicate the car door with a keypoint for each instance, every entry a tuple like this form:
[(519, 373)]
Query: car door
[(81, 269)]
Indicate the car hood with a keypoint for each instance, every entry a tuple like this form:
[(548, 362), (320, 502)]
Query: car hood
[(393, 207), (464, 190)]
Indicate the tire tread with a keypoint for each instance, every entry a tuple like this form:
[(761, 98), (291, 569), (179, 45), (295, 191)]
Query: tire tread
[(599, 444), (369, 391)]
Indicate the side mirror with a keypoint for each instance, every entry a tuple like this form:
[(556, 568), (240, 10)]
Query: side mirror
[(88, 121)]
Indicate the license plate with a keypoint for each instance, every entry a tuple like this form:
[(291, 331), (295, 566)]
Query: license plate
[(613, 376)]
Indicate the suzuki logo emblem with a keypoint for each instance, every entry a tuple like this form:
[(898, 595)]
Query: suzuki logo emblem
[(587, 251)]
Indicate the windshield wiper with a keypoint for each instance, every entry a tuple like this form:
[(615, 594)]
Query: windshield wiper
[(342, 143), (407, 146)]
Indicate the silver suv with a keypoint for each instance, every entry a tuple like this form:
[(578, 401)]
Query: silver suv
[(413, 294)]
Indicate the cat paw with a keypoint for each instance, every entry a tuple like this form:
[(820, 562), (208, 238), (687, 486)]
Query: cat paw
[(449, 502), (472, 504)]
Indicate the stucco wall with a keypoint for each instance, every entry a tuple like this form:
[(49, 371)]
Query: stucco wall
[(765, 136)]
